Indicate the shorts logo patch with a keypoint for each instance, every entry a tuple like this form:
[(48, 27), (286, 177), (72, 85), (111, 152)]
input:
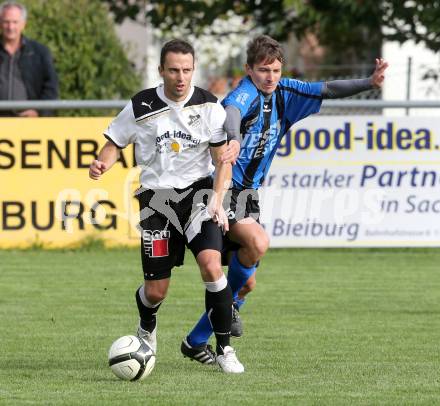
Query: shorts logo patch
[(156, 243), (230, 214)]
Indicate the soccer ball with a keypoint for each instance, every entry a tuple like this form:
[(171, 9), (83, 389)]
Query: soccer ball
[(131, 358)]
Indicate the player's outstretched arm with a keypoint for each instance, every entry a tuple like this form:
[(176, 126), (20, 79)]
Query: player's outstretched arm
[(108, 155), (336, 89), (232, 128), (222, 180)]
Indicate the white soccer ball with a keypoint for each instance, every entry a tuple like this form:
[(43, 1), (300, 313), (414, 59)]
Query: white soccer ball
[(131, 358)]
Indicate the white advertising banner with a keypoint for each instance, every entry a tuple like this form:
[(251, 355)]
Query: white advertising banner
[(356, 181)]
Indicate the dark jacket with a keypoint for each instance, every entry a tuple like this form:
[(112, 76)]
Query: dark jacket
[(38, 72)]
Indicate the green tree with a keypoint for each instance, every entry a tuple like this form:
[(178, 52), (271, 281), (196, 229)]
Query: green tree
[(274, 16), (400, 20), (352, 25), (358, 23), (89, 58)]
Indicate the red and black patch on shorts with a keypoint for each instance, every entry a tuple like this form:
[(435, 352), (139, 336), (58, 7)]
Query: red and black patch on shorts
[(156, 243)]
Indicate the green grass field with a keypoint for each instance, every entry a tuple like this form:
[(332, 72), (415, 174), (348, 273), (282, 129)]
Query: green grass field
[(323, 327)]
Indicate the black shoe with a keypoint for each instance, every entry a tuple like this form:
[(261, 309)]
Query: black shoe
[(203, 353), (236, 326)]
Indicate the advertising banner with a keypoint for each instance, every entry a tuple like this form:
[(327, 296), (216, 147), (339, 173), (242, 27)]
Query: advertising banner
[(46, 195), (355, 181), (335, 182)]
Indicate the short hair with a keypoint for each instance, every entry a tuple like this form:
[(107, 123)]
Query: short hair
[(9, 4), (264, 49), (177, 46)]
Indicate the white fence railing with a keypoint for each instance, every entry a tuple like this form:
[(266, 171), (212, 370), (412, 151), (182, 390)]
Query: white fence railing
[(119, 104)]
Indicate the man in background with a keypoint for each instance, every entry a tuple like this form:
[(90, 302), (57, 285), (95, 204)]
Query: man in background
[(26, 67)]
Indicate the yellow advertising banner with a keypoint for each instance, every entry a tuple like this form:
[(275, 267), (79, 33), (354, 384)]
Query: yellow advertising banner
[(46, 195)]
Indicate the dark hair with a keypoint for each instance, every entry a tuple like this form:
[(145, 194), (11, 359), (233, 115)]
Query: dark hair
[(177, 46), (264, 49)]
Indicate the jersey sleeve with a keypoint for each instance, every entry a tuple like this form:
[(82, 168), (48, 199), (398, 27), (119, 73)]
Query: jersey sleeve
[(301, 99), (242, 97), (216, 122), (232, 123), (122, 130)]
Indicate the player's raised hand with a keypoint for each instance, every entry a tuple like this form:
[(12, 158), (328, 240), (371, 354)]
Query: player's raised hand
[(378, 75), (97, 168), (231, 153)]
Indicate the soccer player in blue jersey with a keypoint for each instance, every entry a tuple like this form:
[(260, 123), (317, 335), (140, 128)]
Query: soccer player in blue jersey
[(260, 111)]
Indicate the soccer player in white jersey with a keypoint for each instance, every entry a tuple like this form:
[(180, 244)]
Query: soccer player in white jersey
[(177, 131)]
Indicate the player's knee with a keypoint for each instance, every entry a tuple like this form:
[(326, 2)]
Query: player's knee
[(156, 295), (260, 244), (211, 270)]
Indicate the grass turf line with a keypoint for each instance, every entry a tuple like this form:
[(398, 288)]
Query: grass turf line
[(322, 327)]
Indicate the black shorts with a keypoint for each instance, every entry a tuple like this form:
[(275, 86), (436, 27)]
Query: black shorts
[(165, 217), (244, 203)]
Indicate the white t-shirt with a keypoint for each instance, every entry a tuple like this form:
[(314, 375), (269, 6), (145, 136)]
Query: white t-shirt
[(171, 139)]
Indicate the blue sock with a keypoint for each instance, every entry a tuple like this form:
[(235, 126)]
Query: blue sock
[(201, 332), (239, 302), (237, 277), (238, 274)]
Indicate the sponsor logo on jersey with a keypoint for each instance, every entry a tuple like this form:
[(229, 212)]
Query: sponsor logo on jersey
[(195, 120), (255, 145), (241, 98), (156, 243), (167, 142), (259, 151), (175, 146)]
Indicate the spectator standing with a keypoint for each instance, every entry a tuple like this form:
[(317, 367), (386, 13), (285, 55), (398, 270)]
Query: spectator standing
[(26, 66)]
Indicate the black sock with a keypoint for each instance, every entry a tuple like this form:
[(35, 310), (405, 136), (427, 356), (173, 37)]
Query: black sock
[(219, 310), (146, 314)]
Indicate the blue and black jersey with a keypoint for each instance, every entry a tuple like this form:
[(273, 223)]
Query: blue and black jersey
[(265, 120)]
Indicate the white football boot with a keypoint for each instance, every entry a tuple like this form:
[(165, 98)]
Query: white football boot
[(149, 338), (229, 362)]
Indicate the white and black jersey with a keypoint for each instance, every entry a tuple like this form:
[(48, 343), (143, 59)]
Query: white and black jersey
[(171, 139)]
